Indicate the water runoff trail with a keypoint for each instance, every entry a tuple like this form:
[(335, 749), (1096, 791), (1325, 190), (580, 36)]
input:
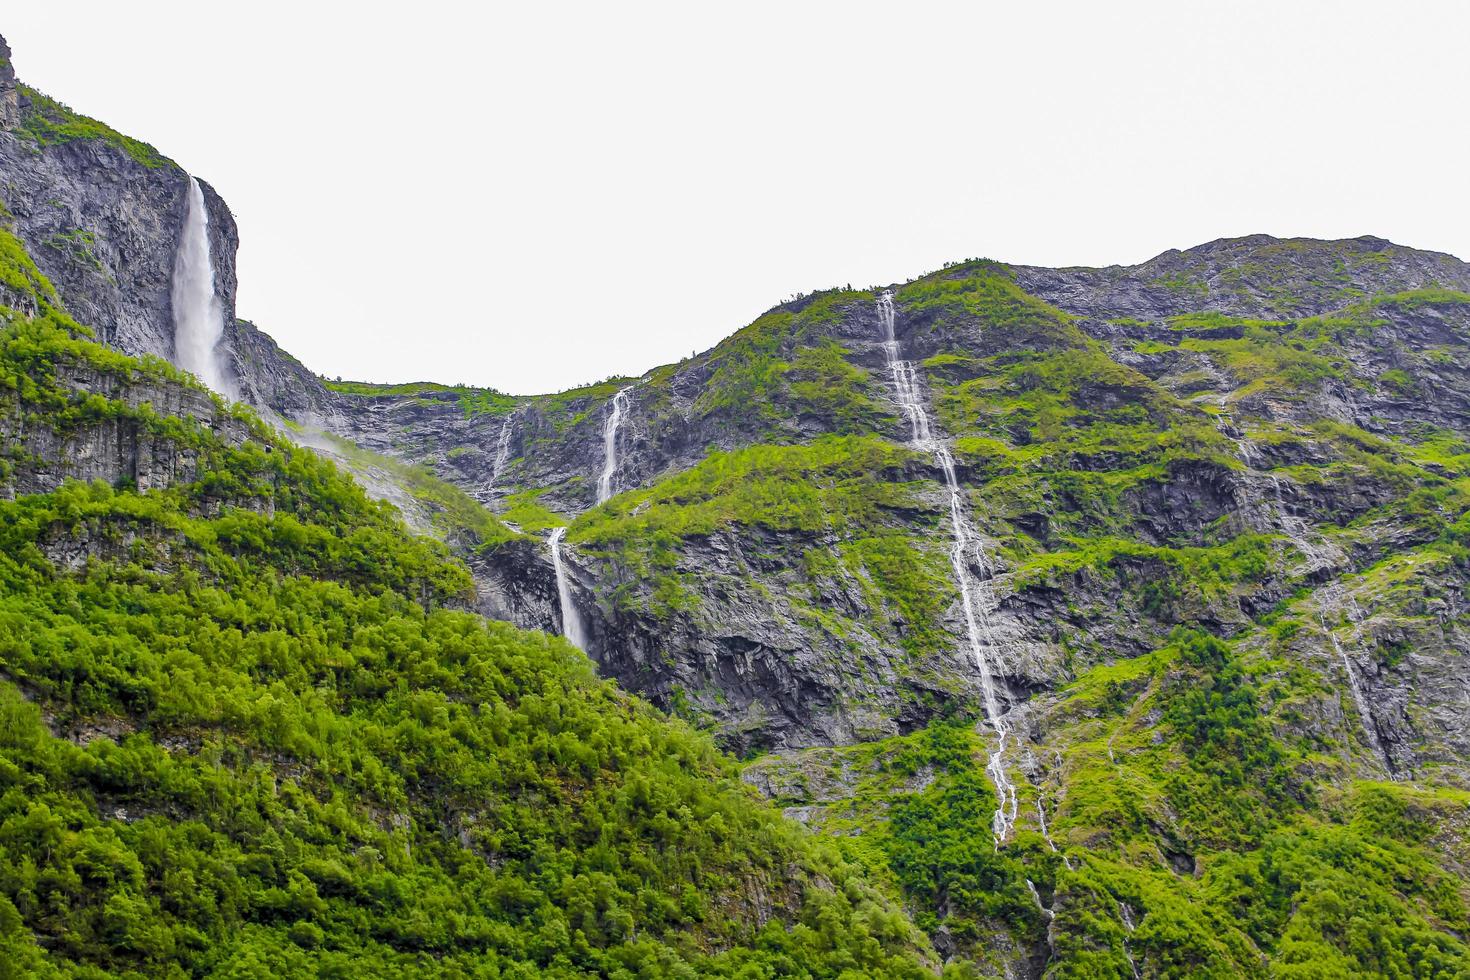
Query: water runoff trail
[(976, 597)]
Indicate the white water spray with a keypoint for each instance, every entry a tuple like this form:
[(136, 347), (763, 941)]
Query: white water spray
[(976, 598), (571, 620), (199, 316), (1127, 919), (610, 445), (1297, 532)]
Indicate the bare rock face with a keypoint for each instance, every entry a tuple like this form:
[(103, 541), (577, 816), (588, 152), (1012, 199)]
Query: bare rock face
[(776, 657), (1261, 442)]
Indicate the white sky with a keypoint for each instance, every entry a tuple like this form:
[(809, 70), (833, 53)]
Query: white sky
[(536, 195)]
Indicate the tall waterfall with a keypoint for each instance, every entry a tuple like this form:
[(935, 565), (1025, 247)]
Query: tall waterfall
[(610, 445), (571, 619), (199, 316), (502, 452), (976, 598)]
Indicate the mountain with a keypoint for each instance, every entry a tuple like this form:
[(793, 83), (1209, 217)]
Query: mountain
[(1095, 622), (249, 728)]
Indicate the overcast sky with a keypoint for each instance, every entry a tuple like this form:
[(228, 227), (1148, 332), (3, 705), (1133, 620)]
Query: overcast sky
[(535, 195)]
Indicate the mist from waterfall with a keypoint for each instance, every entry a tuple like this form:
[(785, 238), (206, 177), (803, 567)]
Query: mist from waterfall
[(199, 316), (610, 445), (976, 598), (571, 619)]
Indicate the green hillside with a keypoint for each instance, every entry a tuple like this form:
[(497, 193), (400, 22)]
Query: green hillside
[(247, 730)]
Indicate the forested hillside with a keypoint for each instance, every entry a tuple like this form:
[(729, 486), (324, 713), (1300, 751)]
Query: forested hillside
[(247, 728)]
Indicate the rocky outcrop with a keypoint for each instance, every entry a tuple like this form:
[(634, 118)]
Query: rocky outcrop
[(9, 93), (135, 441), (747, 657)]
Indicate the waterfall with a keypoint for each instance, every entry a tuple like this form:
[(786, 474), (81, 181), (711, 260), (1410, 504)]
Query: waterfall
[(199, 316), (1127, 919), (502, 452), (1360, 698), (571, 620), (977, 599), (610, 445), (1036, 897)]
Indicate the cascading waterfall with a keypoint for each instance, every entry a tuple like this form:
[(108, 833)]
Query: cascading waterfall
[(1126, 917), (610, 445), (571, 619), (502, 452), (976, 598), (199, 316), (1036, 897)]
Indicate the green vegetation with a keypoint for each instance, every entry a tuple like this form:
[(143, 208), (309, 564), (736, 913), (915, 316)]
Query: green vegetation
[(525, 511), (1313, 885), (785, 367), (471, 401), (981, 296), (453, 514), (916, 811), (45, 122), (247, 726), (1167, 576), (252, 735), (836, 485), (79, 245), (26, 290), (1040, 396)]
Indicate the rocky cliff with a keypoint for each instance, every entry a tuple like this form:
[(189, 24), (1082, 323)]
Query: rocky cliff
[(101, 213)]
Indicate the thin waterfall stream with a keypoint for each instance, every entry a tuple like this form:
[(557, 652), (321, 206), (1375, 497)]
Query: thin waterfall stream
[(1360, 698), (502, 452), (977, 598)]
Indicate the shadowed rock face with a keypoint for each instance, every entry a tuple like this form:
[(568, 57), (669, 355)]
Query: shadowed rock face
[(9, 97)]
